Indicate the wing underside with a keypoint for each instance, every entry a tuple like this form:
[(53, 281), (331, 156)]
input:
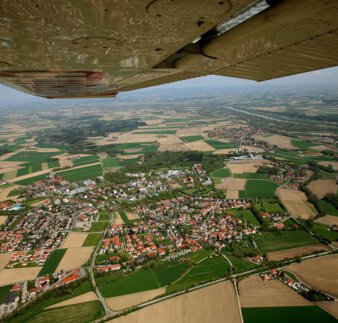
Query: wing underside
[(82, 48)]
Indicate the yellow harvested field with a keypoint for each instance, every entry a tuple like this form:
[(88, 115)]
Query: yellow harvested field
[(296, 203), (252, 149), (87, 297), (277, 140), (153, 121), (10, 276), (254, 292), (320, 187), (231, 183), (74, 239), (132, 215), (66, 160), (171, 143), (5, 191), (4, 259), (75, 258), (320, 273), (242, 168), (328, 220), (117, 218), (294, 252), (3, 219), (330, 307), (46, 150), (134, 150), (194, 131), (216, 303), (121, 302), (224, 151), (124, 157), (232, 194), (199, 145), (319, 148), (334, 164)]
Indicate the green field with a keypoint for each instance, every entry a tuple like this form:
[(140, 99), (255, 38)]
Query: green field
[(141, 280), (251, 176), (299, 157), (81, 174), (270, 205), (223, 172), (137, 281), (3, 292), (52, 262), (207, 270), (86, 160), (36, 308), (31, 180), (241, 264), (104, 216), (191, 138), (53, 163), (198, 255), (128, 161), (125, 218), (92, 239), (99, 226), (328, 208), (220, 145), (273, 241), (32, 156), (324, 231), (295, 314), (245, 215), (84, 312), (258, 188), (303, 144), (110, 162)]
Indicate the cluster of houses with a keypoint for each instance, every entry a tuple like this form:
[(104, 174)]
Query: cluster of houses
[(173, 228), (29, 258), (151, 184), (237, 134)]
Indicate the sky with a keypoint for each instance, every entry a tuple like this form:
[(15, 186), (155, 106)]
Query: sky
[(324, 77)]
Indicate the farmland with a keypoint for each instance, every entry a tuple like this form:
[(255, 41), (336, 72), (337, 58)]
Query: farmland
[(208, 269), (216, 303), (223, 172), (270, 241), (299, 314), (191, 138), (141, 280), (85, 312), (219, 144), (92, 239), (83, 173), (52, 262), (35, 309), (259, 188)]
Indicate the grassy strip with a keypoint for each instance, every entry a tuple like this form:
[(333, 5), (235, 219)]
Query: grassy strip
[(92, 239), (274, 241), (52, 262)]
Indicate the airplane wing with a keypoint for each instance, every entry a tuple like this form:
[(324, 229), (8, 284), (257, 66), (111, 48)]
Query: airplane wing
[(97, 48)]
